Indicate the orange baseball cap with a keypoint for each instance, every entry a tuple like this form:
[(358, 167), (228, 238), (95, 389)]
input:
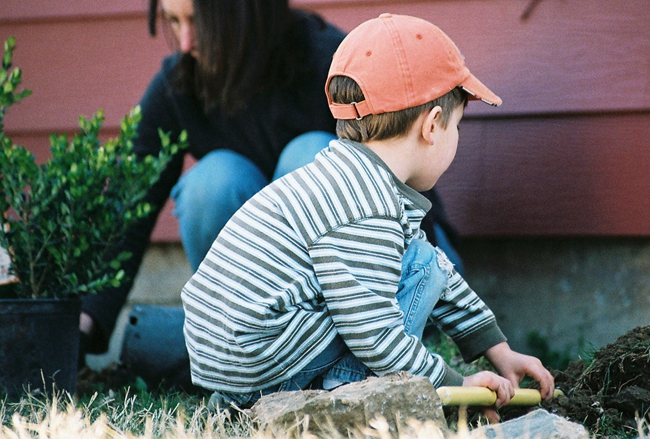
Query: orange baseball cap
[(400, 62)]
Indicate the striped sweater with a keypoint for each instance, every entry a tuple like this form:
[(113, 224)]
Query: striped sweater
[(315, 254)]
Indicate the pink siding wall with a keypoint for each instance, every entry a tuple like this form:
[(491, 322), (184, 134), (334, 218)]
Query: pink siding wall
[(566, 154)]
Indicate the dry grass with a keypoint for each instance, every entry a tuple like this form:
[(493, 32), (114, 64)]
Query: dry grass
[(115, 416), (131, 417)]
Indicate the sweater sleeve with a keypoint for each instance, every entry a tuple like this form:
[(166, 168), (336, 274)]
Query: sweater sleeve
[(359, 267), (462, 315)]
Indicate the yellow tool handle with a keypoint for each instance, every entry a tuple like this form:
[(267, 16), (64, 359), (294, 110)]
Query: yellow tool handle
[(484, 397)]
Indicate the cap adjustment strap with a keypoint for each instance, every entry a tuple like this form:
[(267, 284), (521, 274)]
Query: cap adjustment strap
[(353, 110)]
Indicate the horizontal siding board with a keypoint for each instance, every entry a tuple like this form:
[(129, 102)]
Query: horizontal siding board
[(76, 68), (568, 57), (33, 10), (551, 176), (563, 155)]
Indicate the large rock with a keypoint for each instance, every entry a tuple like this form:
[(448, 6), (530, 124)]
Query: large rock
[(536, 424), (393, 399), (393, 404)]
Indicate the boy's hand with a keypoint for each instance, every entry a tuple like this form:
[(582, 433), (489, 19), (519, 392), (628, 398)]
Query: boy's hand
[(515, 366), (503, 387)]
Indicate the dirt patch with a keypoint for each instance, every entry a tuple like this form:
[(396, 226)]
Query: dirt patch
[(118, 377), (608, 393), (114, 377)]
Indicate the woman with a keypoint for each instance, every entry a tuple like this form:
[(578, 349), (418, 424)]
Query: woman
[(247, 84)]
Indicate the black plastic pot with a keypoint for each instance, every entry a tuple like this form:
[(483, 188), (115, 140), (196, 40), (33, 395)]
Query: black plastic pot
[(39, 344)]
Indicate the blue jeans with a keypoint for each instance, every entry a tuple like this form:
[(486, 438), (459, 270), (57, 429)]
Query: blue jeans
[(424, 279), (207, 195)]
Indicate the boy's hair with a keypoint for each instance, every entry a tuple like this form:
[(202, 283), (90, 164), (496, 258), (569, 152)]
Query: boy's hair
[(396, 66), (344, 90)]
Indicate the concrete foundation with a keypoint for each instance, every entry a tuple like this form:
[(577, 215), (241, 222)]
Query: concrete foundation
[(576, 294)]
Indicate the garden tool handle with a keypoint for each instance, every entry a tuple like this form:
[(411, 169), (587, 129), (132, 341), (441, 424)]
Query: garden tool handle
[(484, 397)]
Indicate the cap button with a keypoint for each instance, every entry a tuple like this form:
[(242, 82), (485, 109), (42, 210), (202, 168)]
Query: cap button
[(386, 15)]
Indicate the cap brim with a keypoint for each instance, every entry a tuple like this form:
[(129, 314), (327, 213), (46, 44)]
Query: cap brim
[(479, 92)]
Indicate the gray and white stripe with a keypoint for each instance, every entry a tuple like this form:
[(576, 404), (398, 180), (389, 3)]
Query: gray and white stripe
[(315, 254)]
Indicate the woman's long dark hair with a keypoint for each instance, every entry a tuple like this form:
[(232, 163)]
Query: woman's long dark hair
[(245, 47)]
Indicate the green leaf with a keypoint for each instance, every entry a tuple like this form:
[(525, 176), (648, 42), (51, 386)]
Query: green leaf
[(54, 251)]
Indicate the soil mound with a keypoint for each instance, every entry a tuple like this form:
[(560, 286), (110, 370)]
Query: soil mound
[(612, 390)]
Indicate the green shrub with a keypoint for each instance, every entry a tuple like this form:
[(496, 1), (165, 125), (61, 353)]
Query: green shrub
[(62, 219)]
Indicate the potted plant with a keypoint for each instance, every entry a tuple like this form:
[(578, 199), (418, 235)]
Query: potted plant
[(59, 226)]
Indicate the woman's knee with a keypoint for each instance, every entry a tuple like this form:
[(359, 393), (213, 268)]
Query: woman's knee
[(301, 151), (207, 196), (222, 176)]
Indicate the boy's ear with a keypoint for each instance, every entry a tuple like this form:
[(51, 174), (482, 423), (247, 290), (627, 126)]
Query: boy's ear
[(430, 123)]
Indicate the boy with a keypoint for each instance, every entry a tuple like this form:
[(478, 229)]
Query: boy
[(324, 277)]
